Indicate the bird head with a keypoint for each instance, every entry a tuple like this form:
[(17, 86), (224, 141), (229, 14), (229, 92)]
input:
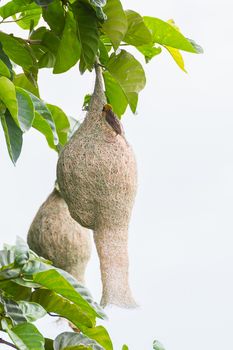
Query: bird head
[(106, 108)]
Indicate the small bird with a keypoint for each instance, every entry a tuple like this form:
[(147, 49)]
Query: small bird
[(112, 119)]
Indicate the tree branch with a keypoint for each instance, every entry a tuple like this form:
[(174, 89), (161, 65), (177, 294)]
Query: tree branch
[(2, 341)]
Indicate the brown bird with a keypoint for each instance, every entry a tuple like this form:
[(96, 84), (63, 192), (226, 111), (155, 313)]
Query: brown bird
[(112, 119)]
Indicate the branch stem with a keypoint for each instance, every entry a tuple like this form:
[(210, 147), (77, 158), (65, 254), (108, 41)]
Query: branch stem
[(109, 44), (35, 42), (53, 315), (2, 341), (13, 21)]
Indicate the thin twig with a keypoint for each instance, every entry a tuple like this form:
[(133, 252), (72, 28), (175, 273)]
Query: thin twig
[(53, 315), (109, 44), (13, 21), (2, 341), (35, 42), (101, 65)]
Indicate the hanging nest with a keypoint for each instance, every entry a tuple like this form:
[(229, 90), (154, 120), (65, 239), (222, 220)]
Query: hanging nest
[(55, 236), (97, 177)]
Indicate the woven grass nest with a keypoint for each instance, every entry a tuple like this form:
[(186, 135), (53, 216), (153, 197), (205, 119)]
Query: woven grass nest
[(55, 236), (97, 177)]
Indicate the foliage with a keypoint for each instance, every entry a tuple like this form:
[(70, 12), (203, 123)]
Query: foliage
[(157, 345), (31, 288), (60, 34), (76, 31)]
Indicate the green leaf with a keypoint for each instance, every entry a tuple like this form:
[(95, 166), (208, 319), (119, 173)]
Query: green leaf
[(75, 341), (103, 53), (100, 335), (49, 344), (137, 33), (88, 35), (31, 311), (8, 97), (165, 34), (157, 345), (115, 94), (42, 109), (15, 291), (13, 136), (133, 100), (48, 47), (26, 111), (86, 102), (83, 291), (53, 281), (32, 75), (34, 266), (61, 122), (128, 73), (115, 26), (21, 281), (43, 3), (4, 70), (97, 6), (54, 15), (13, 311), (46, 51), (69, 48), (7, 257), (53, 302), (149, 51), (107, 42), (13, 7), (9, 273), (196, 46), (23, 2), (74, 125), (44, 128), (5, 59), (26, 337), (36, 257), (2, 108), (28, 16), (22, 81), (176, 55), (51, 41), (21, 252), (47, 60), (10, 9), (18, 51), (20, 247)]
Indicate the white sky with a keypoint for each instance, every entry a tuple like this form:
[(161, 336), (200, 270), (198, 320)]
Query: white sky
[(181, 231)]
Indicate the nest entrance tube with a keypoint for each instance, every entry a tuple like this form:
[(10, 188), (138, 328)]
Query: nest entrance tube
[(97, 177), (113, 253)]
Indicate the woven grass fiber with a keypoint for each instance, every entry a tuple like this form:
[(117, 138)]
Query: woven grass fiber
[(55, 236), (97, 176)]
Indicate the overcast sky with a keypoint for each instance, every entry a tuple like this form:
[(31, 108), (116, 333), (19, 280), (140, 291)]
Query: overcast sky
[(181, 232)]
